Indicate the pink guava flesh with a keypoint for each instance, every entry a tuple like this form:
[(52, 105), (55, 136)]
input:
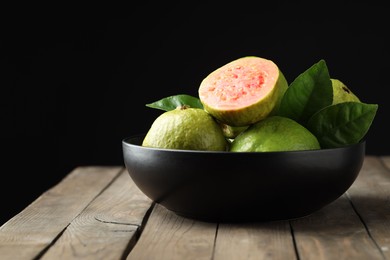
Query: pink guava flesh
[(239, 83), (243, 91)]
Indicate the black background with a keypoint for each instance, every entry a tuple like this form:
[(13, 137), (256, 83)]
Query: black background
[(74, 85)]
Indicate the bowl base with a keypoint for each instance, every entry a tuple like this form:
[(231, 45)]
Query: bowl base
[(242, 218)]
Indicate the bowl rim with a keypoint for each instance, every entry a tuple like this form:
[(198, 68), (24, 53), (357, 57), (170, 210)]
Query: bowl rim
[(125, 142)]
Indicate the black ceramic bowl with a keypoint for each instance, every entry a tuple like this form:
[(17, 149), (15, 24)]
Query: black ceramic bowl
[(237, 187)]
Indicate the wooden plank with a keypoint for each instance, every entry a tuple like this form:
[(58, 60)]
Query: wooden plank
[(334, 232), (386, 161), (107, 227), (38, 225), (168, 236), (268, 240), (370, 196)]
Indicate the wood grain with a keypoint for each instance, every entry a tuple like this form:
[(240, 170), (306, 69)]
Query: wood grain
[(356, 226), (270, 240), (28, 233), (107, 228), (171, 237), (334, 232), (385, 160), (370, 196), (99, 213)]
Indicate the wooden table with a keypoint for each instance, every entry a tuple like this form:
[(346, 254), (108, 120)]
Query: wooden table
[(99, 213)]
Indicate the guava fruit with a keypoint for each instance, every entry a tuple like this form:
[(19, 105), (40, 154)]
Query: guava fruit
[(275, 133), (243, 91), (187, 129), (341, 93)]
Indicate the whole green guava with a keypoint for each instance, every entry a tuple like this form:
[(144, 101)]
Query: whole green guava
[(275, 133), (187, 129), (341, 93)]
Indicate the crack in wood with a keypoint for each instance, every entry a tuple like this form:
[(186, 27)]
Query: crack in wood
[(115, 222)]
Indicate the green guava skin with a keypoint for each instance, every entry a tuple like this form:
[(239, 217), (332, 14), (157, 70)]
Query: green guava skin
[(186, 129), (254, 112), (275, 134), (341, 93)]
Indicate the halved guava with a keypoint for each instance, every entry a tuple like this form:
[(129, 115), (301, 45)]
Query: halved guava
[(243, 91)]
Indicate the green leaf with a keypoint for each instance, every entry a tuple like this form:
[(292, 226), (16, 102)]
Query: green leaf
[(171, 102), (309, 92), (342, 124)]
